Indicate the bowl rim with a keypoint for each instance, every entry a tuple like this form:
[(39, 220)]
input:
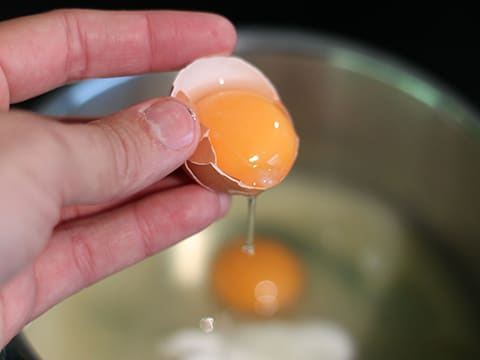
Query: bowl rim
[(339, 52), (364, 59)]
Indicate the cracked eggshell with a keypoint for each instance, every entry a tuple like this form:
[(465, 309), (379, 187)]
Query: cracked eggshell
[(205, 76)]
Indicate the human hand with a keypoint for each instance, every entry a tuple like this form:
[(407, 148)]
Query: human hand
[(79, 201)]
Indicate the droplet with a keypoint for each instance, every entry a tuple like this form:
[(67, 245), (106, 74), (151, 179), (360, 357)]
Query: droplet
[(248, 249), (207, 324)]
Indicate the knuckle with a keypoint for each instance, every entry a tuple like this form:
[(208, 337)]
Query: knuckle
[(123, 148), (83, 258), (145, 231), (76, 49)]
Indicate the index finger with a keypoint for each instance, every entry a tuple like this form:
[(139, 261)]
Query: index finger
[(41, 52)]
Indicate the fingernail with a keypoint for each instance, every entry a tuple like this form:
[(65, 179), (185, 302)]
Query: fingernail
[(172, 122)]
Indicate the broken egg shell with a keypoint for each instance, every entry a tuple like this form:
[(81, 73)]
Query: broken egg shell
[(205, 76), (209, 74), (201, 166), (212, 178)]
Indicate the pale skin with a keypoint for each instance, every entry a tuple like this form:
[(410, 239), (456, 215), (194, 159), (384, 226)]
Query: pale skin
[(80, 201)]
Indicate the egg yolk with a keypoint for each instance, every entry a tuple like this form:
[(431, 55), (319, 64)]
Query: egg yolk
[(264, 283), (253, 137)]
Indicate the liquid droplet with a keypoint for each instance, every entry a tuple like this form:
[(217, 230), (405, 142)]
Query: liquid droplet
[(207, 324), (249, 249)]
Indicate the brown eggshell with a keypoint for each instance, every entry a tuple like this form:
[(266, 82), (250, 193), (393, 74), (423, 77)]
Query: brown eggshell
[(201, 166), (204, 153), (209, 176)]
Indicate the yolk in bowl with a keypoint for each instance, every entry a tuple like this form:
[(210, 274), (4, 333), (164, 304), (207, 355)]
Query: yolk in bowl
[(264, 283)]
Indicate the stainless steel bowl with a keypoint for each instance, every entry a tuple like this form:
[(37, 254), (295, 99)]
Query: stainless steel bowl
[(382, 207)]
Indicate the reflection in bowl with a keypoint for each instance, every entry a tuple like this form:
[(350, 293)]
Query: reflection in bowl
[(265, 282), (307, 340)]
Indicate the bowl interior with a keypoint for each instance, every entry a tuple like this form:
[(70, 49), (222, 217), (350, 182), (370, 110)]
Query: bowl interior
[(380, 208)]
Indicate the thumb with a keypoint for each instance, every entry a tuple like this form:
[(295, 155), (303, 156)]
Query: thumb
[(118, 155), (48, 164)]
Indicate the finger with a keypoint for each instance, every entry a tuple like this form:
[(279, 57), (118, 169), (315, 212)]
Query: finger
[(86, 251), (117, 156), (179, 178), (17, 299), (107, 159), (43, 51)]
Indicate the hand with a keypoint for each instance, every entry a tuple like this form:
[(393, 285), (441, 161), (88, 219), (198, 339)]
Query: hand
[(79, 201)]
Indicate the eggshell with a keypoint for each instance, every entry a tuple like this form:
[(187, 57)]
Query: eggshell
[(222, 72), (202, 77)]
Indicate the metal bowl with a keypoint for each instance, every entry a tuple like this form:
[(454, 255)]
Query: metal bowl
[(381, 207)]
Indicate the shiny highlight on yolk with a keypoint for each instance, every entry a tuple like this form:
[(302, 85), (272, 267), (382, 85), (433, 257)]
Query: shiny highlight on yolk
[(253, 137), (264, 283)]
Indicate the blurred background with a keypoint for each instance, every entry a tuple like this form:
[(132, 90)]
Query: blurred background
[(389, 167), (441, 40)]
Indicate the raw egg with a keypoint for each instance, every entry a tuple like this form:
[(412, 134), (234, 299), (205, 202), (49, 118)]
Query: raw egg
[(248, 142), (269, 281)]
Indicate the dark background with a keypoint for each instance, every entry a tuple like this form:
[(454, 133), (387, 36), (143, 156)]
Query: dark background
[(440, 40)]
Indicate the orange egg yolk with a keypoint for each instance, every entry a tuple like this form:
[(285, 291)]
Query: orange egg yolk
[(264, 283), (253, 137)]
